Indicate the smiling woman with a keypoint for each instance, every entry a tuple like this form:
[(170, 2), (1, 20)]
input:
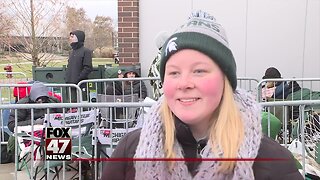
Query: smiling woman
[(192, 85), (201, 116)]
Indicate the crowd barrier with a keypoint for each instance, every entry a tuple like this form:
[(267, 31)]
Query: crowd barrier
[(94, 144), (303, 140), (92, 87), (106, 131), (10, 93), (9, 96), (247, 83), (108, 137), (12, 77), (117, 86), (298, 87)]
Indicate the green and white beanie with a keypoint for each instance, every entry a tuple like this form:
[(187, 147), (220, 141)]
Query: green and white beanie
[(202, 33)]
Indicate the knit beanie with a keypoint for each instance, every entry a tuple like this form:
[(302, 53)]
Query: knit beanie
[(202, 33), (272, 73)]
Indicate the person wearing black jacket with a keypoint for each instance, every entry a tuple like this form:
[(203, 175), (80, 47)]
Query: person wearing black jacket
[(128, 87), (79, 62)]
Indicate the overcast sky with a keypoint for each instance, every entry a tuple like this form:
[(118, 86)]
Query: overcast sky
[(99, 7)]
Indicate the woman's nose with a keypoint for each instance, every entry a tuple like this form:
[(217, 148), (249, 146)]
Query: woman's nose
[(185, 82)]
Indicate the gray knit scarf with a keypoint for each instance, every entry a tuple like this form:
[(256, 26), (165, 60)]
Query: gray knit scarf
[(152, 141)]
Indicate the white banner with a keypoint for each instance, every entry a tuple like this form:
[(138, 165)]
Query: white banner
[(112, 136), (71, 119)]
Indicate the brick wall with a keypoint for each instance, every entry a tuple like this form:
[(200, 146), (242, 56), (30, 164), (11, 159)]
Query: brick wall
[(128, 31)]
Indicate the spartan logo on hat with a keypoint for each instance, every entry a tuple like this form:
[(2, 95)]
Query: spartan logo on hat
[(171, 46)]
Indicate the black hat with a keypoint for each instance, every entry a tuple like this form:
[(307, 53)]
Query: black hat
[(131, 69), (271, 73)]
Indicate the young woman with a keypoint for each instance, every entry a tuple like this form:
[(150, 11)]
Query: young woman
[(203, 127)]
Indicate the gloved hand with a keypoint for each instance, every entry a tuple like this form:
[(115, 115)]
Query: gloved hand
[(39, 121)]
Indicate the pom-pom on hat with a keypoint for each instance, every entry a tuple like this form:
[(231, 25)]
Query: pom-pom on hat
[(202, 33)]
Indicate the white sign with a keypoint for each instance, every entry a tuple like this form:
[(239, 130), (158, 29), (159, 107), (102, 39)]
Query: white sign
[(112, 136), (71, 119)]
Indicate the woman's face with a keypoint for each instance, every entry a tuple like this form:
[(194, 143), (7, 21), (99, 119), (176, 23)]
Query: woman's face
[(193, 86)]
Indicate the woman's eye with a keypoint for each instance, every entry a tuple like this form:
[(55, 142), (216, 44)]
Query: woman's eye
[(172, 73), (199, 71)]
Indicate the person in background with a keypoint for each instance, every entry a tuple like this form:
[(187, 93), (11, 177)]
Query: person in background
[(23, 91), (127, 87), (160, 39), (39, 93), (276, 90), (79, 62), (201, 115), (135, 87)]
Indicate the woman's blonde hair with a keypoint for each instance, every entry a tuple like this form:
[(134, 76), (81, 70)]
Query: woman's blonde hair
[(226, 131)]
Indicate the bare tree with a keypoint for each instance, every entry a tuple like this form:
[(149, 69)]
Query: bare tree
[(36, 29), (102, 32), (6, 25), (77, 19), (5, 20)]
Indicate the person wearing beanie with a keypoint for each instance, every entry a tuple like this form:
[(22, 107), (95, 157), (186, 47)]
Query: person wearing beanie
[(128, 87), (39, 93), (79, 63), (154, 70), (278, 89), (202, 115)]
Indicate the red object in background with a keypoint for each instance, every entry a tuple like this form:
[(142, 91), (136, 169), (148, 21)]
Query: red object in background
[(55, 95), (21, 92), (8, 69)]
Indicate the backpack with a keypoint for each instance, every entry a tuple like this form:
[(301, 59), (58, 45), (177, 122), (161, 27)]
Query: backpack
[(5, 156)]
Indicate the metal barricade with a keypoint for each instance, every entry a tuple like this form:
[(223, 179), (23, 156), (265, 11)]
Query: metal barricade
[(247, 83), (7, 97), (10, 93), (301, 136), (12, 77), (287, 89), (126, 86), (66, 118), (117, 86)]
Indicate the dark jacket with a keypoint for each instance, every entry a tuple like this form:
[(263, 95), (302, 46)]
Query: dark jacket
[(80, 60), (127, 87), (283, 89), (284, 170), (136, 87), (24, 115)]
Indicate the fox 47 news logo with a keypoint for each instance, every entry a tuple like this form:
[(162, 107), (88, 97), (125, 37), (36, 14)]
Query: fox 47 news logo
[(58, 143)]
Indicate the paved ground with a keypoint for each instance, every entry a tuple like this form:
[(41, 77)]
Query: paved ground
[(7, 172)]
